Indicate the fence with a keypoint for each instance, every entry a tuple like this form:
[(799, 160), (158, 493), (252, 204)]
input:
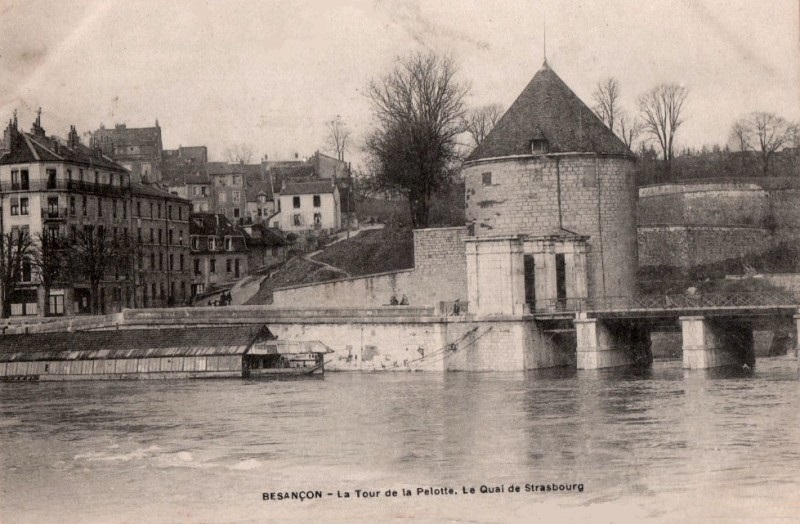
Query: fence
[(668, 302)]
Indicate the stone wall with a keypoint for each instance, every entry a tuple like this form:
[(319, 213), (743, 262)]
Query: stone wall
[(703, 204), (687, 246), (593, 196), (439, 274)]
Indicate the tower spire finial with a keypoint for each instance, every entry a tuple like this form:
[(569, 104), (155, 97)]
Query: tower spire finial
[(544, 39)]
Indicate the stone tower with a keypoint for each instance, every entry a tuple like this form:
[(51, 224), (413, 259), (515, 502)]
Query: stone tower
[(550, 203)]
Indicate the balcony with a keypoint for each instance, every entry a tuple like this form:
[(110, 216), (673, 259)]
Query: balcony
[(65, 185), (54, 213)]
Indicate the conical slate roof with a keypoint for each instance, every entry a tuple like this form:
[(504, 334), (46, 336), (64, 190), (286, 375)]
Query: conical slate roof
[(548, 110)]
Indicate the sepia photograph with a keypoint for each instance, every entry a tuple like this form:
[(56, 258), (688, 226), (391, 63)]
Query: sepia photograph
[(382, 261)]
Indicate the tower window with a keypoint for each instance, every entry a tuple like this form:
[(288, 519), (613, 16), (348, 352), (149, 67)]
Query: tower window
[(487, 178), (538, 146)]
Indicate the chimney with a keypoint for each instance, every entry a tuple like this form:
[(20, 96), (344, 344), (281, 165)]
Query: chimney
[(36, 128), (73, 139)]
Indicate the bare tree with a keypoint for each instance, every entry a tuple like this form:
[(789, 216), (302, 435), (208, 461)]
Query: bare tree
[(15, 266), (338, 136), (772, 133), (629, 129), (479, 121), (239, 153), (606, 96), (50, 259), (741, 134), (662, 114), (419, 109), (92, 254)]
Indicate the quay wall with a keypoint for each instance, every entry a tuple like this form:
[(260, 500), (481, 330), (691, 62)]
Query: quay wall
[(439, 275)]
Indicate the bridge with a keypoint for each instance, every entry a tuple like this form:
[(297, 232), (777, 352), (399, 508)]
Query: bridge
[(716, 328)]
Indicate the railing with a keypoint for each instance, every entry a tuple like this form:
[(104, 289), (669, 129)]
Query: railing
[(54, 213), (453, 308), (65, 185), (667, 302)]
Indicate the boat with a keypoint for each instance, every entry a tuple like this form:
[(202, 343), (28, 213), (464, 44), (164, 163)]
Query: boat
[(284, 358)]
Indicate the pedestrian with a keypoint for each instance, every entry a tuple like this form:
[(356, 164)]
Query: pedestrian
[(393, 300), (457, 307), (404, 301)]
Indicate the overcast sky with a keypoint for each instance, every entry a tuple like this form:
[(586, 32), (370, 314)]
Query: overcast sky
[(271, 73)]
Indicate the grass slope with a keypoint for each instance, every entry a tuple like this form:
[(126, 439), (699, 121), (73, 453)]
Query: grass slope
[(373, 251)]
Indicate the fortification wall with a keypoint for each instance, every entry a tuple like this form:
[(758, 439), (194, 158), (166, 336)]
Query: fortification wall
[(703, 204), (593, 196), (687, 246), (439, 274)]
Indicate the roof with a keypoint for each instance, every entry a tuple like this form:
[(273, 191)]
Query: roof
[(123, 135), (134, 343), (223, 168), (27, 148), (548, 109), (314, 187), (212, 224), (138, 189), (261, 235)]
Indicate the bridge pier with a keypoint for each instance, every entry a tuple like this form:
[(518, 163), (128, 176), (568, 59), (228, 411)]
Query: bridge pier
[(611, 343), (710, 343)]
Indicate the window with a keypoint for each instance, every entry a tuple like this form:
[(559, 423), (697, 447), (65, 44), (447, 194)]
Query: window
[(195, 243), (24, 181), (113, 208), (56, 304), (296, 202), (237, 195), (151, 210), (487, 178), (228, 244), (296, 220), (15, 179), (181, 262), (317, 201), (14, 206), (538, 146), (26, 270), (212, 266), (180, 236), (52, 206), (23, 206), (317, 219), (229, 265), (152, 236), (99, 206), (96, 177), (180, 212), (85, 209), (159, 210), (212, 244), (236, 212), (72, 205), (197, 266), (111, 178), (80, 175), (138, 208), (69, 175), (124, 209), (171, 262), (51, 178), (139, 234), (196, 190), (160, 236), (222, 198), (161, 261), (169, 212), (171, 237), (236, 180)]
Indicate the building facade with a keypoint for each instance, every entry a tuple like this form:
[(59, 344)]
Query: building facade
[(219, 252), (60, 189), (139, 150), (308, 206)]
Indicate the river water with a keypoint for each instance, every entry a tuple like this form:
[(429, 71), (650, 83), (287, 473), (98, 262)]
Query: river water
[(663, 444)]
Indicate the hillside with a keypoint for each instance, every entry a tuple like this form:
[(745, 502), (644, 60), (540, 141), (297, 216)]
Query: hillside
[(372, 251)]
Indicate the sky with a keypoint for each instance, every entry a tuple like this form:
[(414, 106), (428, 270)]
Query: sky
[(272, 73)]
